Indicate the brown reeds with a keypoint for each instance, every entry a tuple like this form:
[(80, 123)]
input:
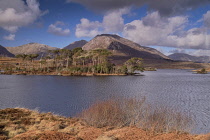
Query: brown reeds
[(133, 112)]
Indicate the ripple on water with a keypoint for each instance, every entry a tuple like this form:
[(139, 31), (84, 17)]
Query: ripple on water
[(179, 89)]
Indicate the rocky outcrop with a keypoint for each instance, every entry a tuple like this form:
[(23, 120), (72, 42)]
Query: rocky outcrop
[(187, 57), (5, 52), (123, 49), (76, 44)]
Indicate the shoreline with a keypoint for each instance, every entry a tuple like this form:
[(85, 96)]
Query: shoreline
[(60, 74), (21, 123), (89, 74), (71, 74)]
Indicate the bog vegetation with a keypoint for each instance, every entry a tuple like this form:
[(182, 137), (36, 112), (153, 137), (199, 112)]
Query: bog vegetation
[(24, 124), (73, 62), (133, 112)]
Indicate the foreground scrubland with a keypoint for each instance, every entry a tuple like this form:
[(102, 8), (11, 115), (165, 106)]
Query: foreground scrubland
[(126, 119)]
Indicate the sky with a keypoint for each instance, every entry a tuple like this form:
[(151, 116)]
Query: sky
[(170, 26)]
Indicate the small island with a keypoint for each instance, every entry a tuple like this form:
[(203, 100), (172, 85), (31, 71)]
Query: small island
[(76, 62), (202, 71)]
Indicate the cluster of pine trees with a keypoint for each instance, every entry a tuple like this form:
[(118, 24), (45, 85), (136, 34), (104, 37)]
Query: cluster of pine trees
[(76, 61)]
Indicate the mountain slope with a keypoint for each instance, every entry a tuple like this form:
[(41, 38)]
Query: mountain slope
[(123, 49), (187, 57), (5, 52), (31, 48), (76, 44)]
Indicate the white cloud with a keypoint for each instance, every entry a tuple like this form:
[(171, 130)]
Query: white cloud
[(10, 37), (15, 14), (206, 18), (113, 22), (151, 30), (200, 52), (161, 31), (59, 23), (88, 28), (57, 30), (178, 50)]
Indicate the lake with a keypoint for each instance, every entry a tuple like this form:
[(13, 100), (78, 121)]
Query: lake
[(68, 96)]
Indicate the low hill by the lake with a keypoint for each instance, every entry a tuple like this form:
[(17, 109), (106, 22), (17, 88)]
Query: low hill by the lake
[(124, 49), (5, 52), (31, 48), (187, 57), (76, 44)]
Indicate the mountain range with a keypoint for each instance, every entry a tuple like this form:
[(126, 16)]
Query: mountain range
[(121, 48), (187, 57)]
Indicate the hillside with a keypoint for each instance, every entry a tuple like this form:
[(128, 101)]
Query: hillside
[(76, 44), (31, 48), (123, 49), (187, 57), (5, 52)]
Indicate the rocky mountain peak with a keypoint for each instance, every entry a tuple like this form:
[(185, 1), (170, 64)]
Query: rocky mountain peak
[(109, 35), (122, 48), (31, 48)]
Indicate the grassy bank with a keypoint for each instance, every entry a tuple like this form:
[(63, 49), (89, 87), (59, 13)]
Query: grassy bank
[(126, 119)]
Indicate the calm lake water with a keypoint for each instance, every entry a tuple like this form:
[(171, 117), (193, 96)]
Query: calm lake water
[(68, 96)]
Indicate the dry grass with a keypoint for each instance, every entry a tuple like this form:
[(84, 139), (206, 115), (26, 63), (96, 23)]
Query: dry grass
[(16, 121), (24, 124), (104, 114), (131, 112)]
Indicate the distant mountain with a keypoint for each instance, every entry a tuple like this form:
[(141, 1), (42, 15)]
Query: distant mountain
[(5, 52), (123, 49), (31, 48), (187, 57), (76, 44)]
